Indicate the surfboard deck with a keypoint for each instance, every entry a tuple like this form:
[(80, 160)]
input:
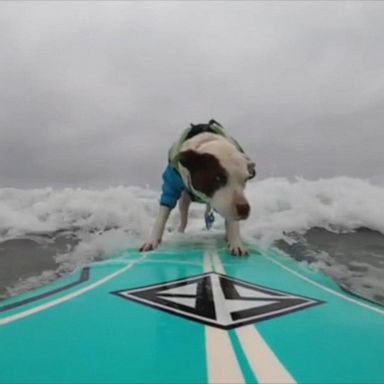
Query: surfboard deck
[(191, 314)]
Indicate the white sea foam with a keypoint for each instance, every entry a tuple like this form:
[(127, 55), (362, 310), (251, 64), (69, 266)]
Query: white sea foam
[(120, 217), (278, 206), (48, 210), (340, 204)]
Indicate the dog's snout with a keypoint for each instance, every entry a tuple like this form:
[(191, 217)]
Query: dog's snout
[(243, 210)]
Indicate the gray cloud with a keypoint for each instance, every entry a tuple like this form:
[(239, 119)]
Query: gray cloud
[(93, 93)]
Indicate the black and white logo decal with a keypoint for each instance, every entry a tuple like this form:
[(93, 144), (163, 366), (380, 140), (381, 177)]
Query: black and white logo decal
[(218, 300)]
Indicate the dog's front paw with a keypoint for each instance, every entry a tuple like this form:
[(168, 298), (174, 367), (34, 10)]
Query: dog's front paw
[(238, 249), (149, 246)]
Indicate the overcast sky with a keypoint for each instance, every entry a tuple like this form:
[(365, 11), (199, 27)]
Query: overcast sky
[(93, 93)]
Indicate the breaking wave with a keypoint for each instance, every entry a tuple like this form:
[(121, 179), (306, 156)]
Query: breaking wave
[(105, 221)]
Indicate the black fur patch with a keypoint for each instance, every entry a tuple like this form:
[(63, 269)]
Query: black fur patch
[(197, 129), (207, 174)]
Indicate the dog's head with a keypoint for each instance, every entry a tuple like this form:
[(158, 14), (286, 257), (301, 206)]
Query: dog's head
[(218, 171)]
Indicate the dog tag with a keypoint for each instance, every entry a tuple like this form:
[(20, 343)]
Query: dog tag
[(209, 220)]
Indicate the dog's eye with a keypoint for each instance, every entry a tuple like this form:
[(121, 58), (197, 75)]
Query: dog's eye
[(221, 179)]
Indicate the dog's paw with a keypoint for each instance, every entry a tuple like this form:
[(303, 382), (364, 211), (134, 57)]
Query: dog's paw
[(149, 246), (237, 249)]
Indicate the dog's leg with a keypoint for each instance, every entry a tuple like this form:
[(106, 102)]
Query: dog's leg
[(184, 203), (235, 245), (158, 229)]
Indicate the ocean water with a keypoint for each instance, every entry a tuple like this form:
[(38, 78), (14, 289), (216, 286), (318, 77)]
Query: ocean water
[(335, 225)]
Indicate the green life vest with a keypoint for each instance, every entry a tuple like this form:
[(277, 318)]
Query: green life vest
[(214, 127)]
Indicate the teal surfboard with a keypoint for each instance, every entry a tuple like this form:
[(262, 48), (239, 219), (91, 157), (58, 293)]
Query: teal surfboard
[(191, 314)]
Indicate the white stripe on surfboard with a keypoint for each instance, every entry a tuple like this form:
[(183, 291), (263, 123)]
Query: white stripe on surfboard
[(43, 307), (265, 365), (324, 288), (223, 366)]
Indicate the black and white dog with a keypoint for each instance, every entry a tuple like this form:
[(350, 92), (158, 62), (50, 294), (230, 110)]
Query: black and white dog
[(208, 166)]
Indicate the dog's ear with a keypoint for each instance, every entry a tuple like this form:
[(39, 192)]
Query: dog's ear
[(251, 169), (192, 160)]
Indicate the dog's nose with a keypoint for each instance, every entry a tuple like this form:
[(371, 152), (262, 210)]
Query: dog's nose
[(243, 210)]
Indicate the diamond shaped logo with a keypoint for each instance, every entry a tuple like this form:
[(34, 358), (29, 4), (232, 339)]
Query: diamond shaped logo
[(218, 300)]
